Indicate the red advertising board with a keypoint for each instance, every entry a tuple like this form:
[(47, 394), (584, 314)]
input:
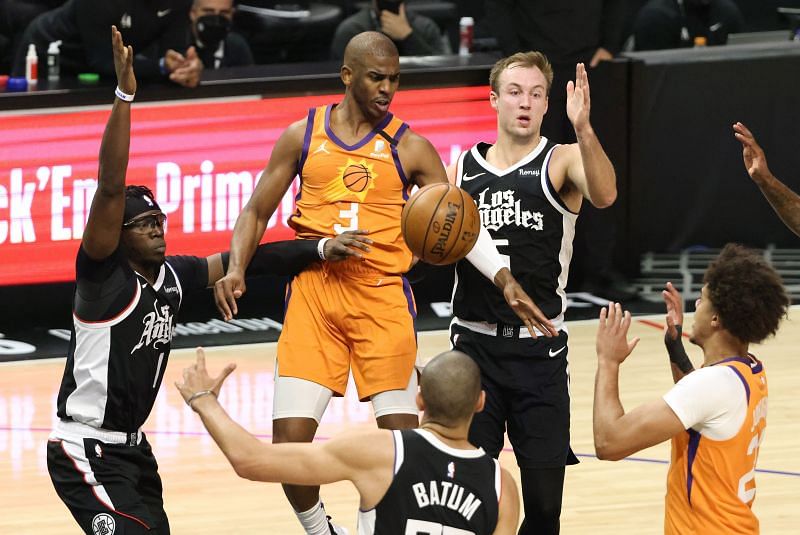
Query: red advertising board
[(200, 158)]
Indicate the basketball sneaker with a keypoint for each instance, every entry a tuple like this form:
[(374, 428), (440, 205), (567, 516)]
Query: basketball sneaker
[(337, 529)]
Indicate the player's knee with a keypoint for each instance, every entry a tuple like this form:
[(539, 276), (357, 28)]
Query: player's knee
[(293, 430)]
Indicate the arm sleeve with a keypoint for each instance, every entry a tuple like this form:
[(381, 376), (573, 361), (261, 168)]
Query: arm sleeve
[(282, 258), (192, 271), (485, 257), (710, 400)]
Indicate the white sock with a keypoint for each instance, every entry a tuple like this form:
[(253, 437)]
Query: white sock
[(314, 521)]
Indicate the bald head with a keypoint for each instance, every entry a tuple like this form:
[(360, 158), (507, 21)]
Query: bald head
[(368, 44), (450, 387)]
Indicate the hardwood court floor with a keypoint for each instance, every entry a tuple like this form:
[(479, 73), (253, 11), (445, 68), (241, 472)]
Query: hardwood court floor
[(204, 496)]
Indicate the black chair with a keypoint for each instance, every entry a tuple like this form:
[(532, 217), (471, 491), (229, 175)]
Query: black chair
[(281, 31)]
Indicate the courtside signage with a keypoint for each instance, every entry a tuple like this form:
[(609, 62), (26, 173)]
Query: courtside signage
[(201, 159)]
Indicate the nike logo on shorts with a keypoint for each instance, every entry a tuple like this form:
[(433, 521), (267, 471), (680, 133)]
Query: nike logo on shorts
[(163, 13), (554, 353)]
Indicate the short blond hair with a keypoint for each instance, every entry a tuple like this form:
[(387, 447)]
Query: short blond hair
[(523, 59)]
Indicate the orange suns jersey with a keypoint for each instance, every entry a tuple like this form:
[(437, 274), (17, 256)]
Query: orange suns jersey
[(711, 484), (348, 187)]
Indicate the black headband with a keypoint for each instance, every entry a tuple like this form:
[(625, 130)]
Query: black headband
[(139, 205)]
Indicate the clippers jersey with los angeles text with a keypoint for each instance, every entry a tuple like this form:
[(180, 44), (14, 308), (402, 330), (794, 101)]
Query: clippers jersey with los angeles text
[(348, 187), (711, 483), (121, 337), (436, 489), (531, 227)]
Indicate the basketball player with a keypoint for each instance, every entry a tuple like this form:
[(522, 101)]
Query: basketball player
[(126, 299), (426, 480), (528, 190), (784, 201), (715, 416), (357, 163)]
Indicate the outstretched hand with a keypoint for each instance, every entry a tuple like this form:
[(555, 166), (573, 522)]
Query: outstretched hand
[(753, 155), (674, 302), (347, 244), (123, 63), (196, 378), (612, 335), (527, 311), (578, 98)]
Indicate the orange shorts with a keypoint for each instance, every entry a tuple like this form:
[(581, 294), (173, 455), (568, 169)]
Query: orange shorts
[(342, 316)]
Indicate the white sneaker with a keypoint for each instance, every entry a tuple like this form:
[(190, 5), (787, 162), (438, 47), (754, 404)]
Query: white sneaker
[(337, 529)]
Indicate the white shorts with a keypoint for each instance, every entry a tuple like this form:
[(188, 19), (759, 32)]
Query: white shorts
[(300, 398)]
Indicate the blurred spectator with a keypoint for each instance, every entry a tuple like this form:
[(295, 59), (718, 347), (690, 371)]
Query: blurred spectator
[(414, 35), (158, 32), (662, 24), (15, 15), (217, 46)]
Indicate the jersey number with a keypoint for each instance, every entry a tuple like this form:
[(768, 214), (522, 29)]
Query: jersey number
[(745, 494), (352, 215), (423, 527)]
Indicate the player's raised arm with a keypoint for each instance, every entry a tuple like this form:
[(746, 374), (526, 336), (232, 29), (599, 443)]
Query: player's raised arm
[(783, 200), (103, 229), (587, 165)]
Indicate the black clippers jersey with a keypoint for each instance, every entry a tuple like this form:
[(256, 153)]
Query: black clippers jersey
[(531, 227), (436, 487), (121, 333)]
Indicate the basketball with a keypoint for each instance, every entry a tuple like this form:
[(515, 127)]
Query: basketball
[(440, 223), (356, 177)]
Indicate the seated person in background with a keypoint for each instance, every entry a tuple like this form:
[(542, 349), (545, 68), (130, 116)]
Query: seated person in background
[(217, 46), (414, 35), (663, 24), (158, 32)]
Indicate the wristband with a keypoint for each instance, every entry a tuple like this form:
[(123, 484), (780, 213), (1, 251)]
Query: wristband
[(321, 247), (124, 96), (676, 351), (199, 394)]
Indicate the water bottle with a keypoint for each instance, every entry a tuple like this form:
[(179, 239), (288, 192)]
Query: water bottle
[(465, 26), (53, 61), (31, 66)]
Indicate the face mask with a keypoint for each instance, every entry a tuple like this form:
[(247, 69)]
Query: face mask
[(212, 29)]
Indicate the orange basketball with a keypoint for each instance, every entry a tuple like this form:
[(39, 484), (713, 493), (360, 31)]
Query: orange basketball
[(440, 223)]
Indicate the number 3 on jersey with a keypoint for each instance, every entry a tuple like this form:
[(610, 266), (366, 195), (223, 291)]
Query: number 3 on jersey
[(351, 215)]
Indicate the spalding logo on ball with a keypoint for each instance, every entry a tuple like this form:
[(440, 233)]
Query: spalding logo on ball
[(440, 223)]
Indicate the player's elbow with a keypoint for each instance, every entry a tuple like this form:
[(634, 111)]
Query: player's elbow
[(605, 200), (607, 450), (244, 467)]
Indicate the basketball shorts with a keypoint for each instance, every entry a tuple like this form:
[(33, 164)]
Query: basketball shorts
[(109, 488), (345, 316), (526, 381)]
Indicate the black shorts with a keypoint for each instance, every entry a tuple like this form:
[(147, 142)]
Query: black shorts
[(526, 382), (108, 488)]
